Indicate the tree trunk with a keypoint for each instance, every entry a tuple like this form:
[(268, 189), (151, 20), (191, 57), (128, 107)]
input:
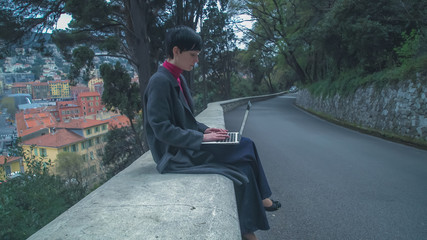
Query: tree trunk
[(293, 63), (139, 42), (139, 45)]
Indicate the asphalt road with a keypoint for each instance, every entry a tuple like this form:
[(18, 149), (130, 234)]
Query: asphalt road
[(335, 183)]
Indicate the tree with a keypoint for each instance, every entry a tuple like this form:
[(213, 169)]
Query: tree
[(278, 23), (120, 94), (120, 150), (260, 63), (70, 165), (34, 199), (219, 48)]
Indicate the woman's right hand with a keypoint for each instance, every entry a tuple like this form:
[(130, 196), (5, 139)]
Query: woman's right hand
[(215, 136)]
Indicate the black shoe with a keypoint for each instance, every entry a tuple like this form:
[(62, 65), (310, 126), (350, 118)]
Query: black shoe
[(276, 205)]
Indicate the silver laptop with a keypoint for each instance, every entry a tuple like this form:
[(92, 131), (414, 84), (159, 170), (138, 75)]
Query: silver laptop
[(234, 136)]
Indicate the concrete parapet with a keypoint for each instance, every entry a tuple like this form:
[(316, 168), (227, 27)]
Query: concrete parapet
[(139, 203)]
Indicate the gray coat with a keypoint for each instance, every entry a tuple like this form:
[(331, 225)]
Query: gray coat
[(173, 134)]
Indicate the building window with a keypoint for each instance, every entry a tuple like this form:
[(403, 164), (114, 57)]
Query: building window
[(65, 149), (91, 156), (97, 129), (104, 127), (83, 144), (35, 152), (74, 148), (43, 152), (97, 140), (90, 142), (88, 131)]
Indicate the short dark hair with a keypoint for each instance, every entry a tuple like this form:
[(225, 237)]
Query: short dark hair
[(185, 38)]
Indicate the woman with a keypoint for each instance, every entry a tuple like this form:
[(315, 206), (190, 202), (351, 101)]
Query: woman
[(175, 137)]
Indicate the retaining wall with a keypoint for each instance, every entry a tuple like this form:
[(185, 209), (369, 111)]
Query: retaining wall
[(400, 109)]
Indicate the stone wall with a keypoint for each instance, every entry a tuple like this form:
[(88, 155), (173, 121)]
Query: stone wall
[(400, 109)]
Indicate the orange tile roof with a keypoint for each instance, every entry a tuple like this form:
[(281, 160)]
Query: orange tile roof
[(89, 94), (9, 159), (61, 137), (79, 123), (33, 118), (118, 121)]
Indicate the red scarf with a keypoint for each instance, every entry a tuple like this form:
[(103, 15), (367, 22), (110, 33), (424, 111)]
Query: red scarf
[(176, 72)]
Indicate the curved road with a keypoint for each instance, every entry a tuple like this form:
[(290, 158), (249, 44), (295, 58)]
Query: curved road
[(335, 183)]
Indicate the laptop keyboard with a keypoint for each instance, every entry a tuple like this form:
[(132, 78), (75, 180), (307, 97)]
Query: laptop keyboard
[(233, 137)]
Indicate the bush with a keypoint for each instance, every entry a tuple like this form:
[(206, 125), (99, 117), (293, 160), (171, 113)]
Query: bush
[(33, 199)]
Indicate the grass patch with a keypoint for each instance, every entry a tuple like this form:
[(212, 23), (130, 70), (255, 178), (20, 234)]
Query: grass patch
[(349, 81)]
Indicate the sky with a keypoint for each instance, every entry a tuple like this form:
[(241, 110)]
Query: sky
[(63, 21)]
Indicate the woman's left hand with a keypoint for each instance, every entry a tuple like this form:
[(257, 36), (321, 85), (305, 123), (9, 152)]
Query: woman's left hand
[(215, 130)]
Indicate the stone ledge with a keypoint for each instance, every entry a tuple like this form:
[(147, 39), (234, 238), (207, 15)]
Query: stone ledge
[(139, 203)]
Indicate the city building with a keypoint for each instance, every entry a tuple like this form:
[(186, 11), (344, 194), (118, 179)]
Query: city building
[(68, 110), (32, 123), (94, 81), (40, 90), (90, 103), (59, 89), (76, 90), (82, 136), (21, 87), (11, 166)]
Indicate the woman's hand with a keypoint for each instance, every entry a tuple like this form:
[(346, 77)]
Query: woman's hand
[(211, 130), (215, 134)]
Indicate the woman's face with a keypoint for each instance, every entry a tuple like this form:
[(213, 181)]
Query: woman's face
[(185, 59)]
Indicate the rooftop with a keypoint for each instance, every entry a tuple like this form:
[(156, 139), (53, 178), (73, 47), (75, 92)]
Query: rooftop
[(89, 94), (9, 159), (79, 123), (59, 138)]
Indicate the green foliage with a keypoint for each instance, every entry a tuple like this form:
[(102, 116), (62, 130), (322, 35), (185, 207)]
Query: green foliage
[(33, 199), (82, 63), (69, 165), (410, 47), (241, 87), (121, 149), (119, 92), (217, 61), (349, 81), (122, 95), (331, 41)]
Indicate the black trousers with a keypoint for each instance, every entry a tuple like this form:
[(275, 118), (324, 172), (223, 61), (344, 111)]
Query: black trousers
[(249, 195)]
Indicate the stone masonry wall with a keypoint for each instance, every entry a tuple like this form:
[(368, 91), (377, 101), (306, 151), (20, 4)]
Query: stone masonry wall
[(400, 109)]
